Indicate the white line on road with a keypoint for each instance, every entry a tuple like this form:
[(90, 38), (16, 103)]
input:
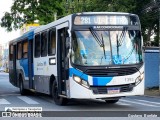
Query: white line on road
[(4, 101), (27, 100), (145, 104), (9, 95), (122, 103), (148, 101)]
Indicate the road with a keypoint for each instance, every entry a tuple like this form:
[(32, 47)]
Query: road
[(10, 97)]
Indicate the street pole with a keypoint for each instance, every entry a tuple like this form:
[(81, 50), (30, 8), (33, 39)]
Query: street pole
[(55, 16), (159, 43)]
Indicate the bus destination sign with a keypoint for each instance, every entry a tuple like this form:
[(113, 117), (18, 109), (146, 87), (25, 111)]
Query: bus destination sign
[(104, 20)]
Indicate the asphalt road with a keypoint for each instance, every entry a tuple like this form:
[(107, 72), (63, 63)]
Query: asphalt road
[(10, 97)]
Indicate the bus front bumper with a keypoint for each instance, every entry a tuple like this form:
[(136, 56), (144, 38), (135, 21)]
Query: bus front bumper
[(80, 92)]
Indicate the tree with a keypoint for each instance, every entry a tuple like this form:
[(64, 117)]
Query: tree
[(150, 26), (27, 11), (46, 10), (149, 18)]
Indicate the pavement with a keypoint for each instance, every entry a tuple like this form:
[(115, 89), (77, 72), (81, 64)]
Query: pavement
[(153, 92)]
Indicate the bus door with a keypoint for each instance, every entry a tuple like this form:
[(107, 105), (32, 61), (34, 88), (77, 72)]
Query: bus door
[(30, 63), (14, 65), (62, 62)]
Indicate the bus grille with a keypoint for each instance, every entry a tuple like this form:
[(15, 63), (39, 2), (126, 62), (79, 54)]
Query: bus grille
[(111, 72), (104, 90)]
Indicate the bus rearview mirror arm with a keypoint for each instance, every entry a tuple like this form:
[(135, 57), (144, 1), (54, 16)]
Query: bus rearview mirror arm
[(69, 53), (68, 46)]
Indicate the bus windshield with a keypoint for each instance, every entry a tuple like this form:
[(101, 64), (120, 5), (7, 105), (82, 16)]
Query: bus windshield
[(119, 47)]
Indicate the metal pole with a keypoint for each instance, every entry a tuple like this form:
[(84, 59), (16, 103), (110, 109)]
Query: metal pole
[(55, 16), (159, 44)]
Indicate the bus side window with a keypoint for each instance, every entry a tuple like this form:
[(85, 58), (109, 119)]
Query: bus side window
[(37, 47), (44, 44), (25, 49), (19, 55), (11, 53), (52, 42)]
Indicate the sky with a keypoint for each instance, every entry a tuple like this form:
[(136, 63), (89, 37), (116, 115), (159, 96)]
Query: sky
[(5, 36)]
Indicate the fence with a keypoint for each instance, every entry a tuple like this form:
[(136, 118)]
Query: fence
[(152, 67)]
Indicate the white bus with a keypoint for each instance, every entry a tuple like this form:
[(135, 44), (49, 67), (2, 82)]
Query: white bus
[(90, 55)]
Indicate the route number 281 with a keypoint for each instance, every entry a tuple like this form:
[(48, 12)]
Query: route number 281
[(85, 20)]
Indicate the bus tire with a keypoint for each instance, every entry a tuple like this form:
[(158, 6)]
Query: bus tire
[(21, 87), (111, 101), (57, 99)]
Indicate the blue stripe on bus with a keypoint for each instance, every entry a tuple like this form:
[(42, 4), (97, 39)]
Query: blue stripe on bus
[(30, 35), (73, 71), (24, 64), (101, 81)]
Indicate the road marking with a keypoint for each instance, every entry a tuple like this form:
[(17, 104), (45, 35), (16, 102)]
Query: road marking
[(145, 104), (9, 95), (4, 101), (122, 103), (27, 100), (148, 101)]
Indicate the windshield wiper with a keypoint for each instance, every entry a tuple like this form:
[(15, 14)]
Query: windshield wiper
[(120, 40), (96, 36), (99, 41), (103, 47)]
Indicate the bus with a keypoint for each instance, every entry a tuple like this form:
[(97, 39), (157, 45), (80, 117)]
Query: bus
[(89, 55)]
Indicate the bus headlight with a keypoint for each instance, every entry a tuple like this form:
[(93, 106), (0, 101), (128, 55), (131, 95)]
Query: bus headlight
[(85, 83), (139, 79), (81, 81), (77, 79), (142, 76)]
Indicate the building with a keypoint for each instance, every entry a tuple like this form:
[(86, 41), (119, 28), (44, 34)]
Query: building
[(4, 55), (27, 27), (1, 53)]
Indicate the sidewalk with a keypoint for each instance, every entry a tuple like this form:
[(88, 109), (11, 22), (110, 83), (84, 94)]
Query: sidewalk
[(153, 92)]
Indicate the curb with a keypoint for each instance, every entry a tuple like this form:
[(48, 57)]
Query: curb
[(151, 96)]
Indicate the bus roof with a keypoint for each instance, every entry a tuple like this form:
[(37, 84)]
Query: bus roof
[(112, 13), (28, 35), (67, 18)]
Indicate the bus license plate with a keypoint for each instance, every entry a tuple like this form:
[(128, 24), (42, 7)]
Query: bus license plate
[(113, 90)]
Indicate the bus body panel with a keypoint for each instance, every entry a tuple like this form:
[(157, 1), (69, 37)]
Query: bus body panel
[(43, 70), (80, 92), (84, 93), (103, 81), (22, 64)]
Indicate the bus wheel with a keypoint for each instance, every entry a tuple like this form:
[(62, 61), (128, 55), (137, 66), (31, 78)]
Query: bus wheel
[(21, 87), (57, 99), (112, 101)]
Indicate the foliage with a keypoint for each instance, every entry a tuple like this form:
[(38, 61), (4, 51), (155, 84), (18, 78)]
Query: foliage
[(149, 18), (47, 9), (26, 11)]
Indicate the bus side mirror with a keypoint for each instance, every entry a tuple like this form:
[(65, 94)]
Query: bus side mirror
[(68, 46), (68, 43)]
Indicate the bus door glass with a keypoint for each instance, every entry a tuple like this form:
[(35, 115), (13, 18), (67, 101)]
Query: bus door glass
[(14, 65), (61, 59), (30, 63)]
